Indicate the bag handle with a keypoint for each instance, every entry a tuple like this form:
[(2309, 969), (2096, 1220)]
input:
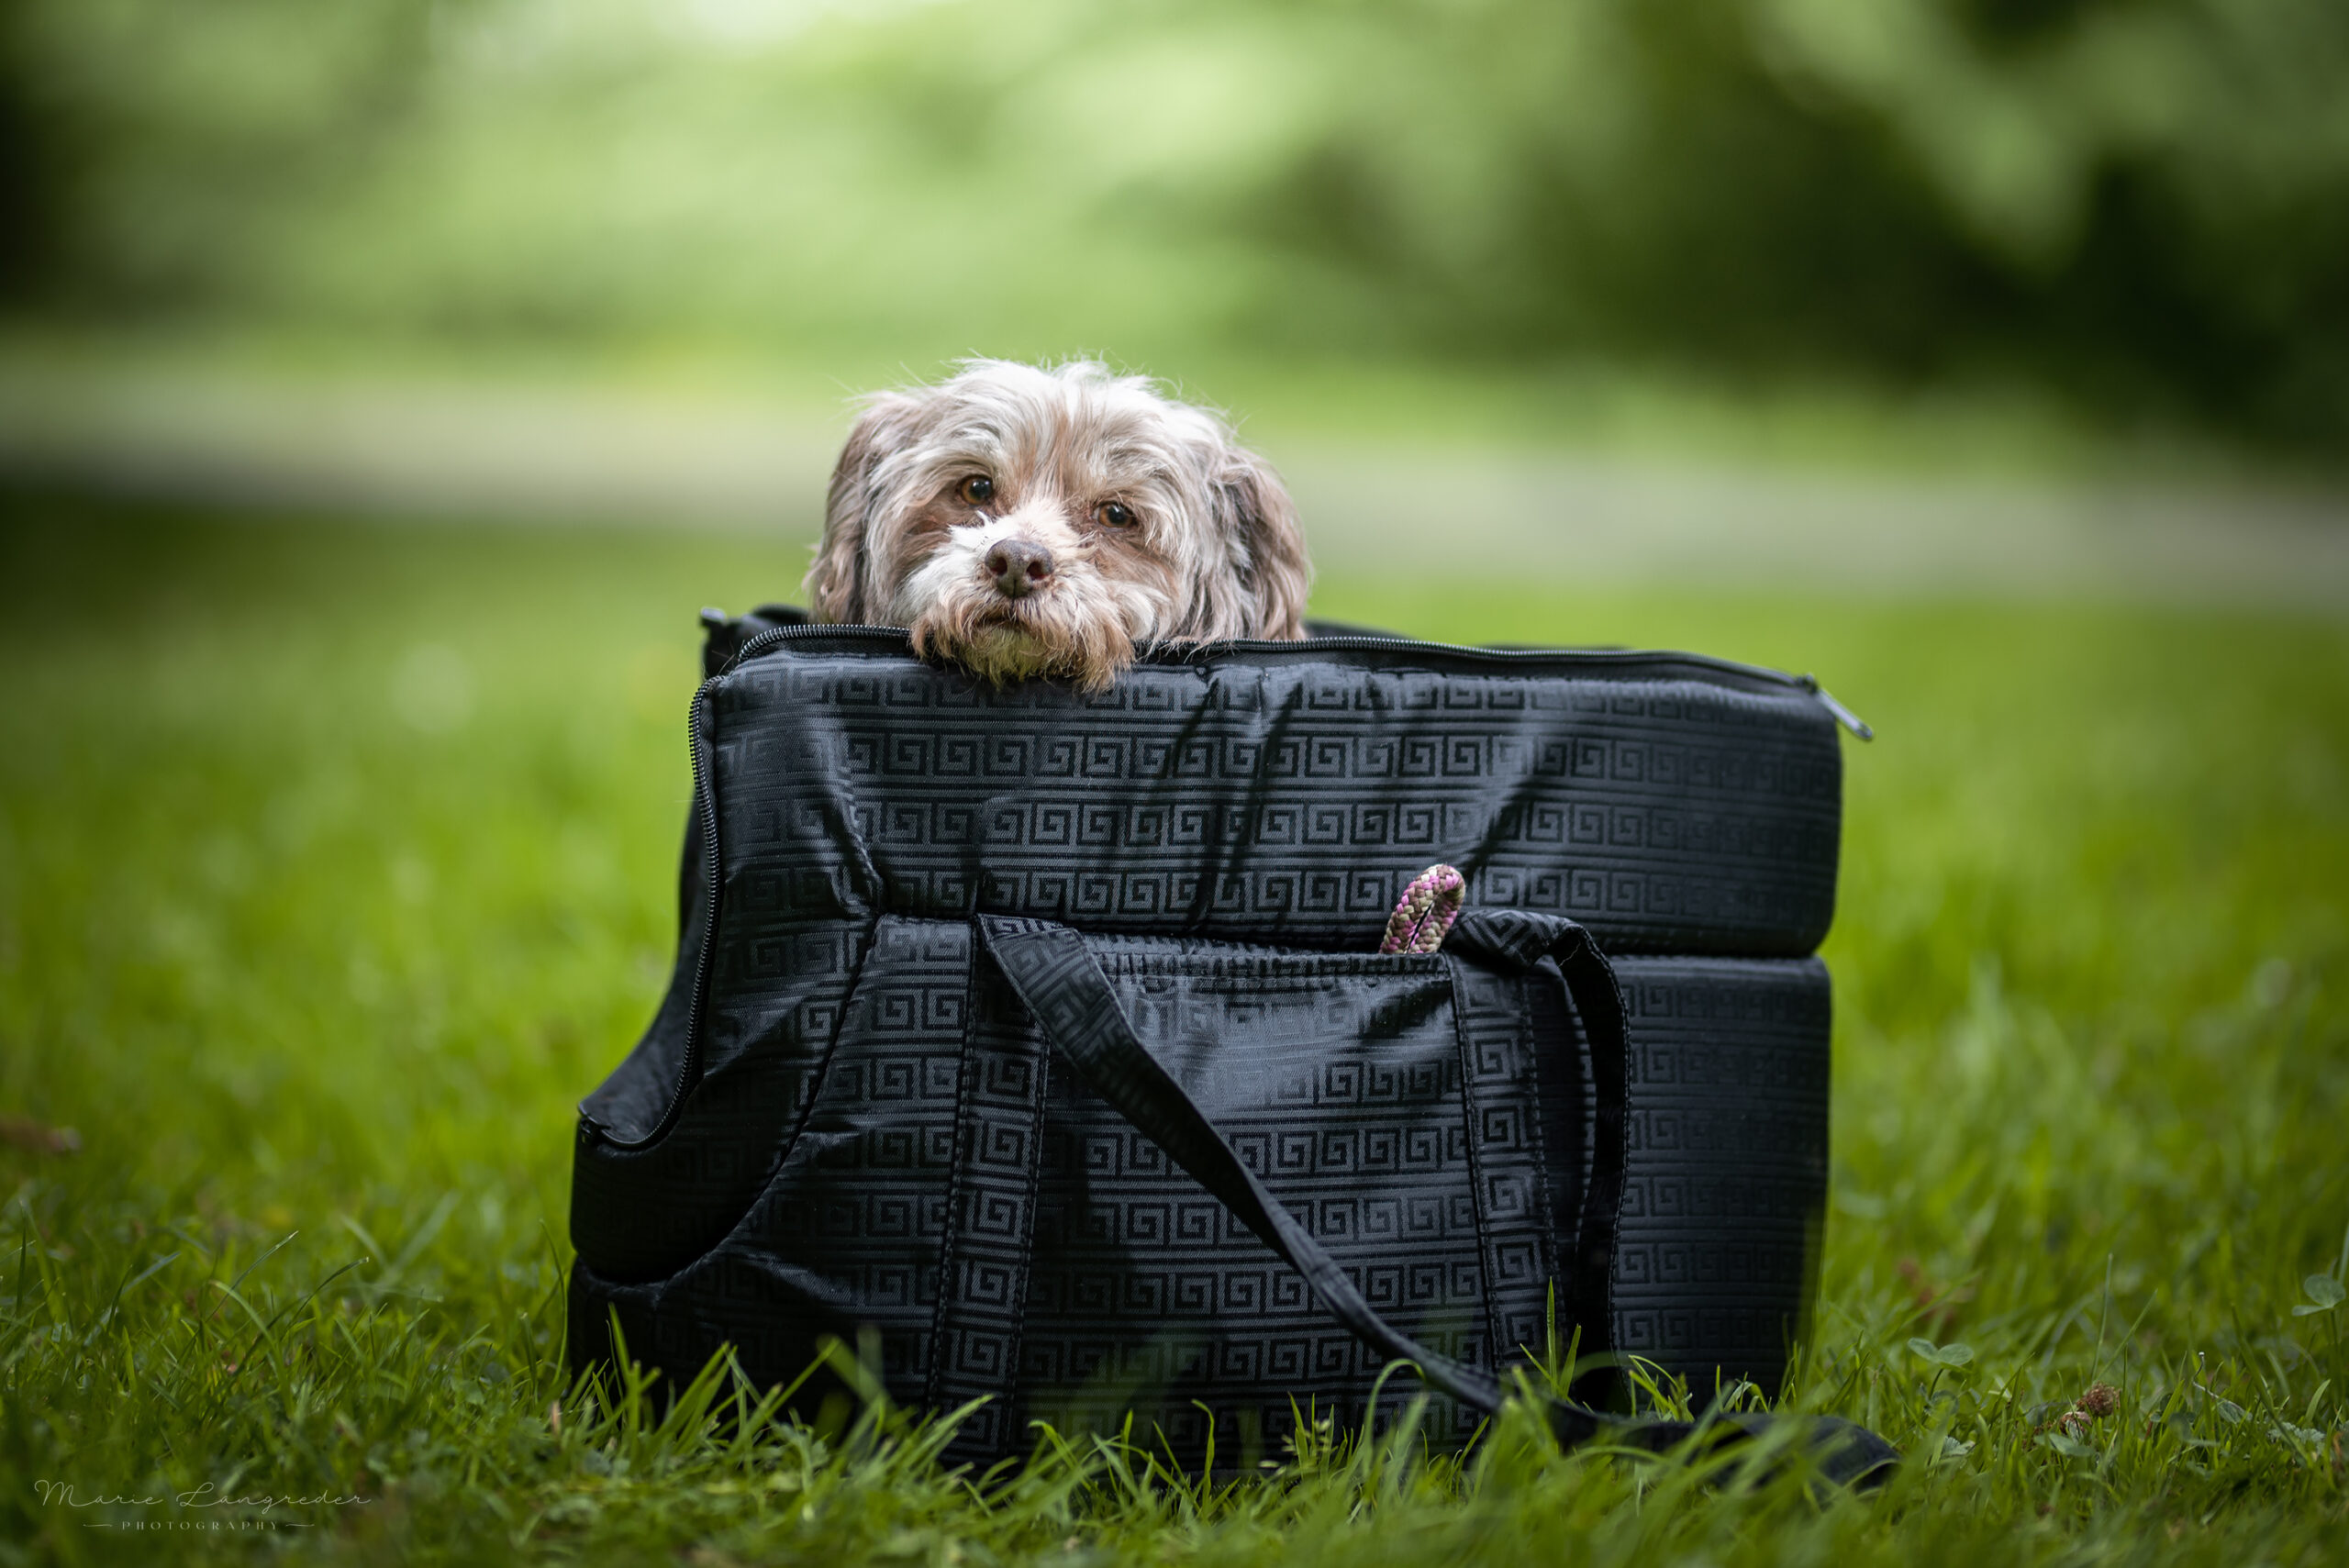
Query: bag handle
[(1516, 941), (1057, 977)]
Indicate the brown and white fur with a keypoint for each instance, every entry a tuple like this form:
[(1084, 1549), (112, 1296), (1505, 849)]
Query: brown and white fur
[(1031, 522)]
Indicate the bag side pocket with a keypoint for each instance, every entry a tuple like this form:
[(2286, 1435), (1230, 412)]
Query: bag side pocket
[(847, 1219)]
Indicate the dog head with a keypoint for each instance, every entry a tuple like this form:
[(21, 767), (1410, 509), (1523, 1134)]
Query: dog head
[(1048, 522)]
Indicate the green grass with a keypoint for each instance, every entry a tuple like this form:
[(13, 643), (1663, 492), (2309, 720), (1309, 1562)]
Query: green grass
[(337, 862)]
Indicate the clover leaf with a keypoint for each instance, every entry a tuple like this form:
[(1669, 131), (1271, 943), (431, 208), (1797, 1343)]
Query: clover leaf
[(2325, 1292)]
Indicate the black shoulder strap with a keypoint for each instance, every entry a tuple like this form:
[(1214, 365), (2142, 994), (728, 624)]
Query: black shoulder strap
[(1049, 968)]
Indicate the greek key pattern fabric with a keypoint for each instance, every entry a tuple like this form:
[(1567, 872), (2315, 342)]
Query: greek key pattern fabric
[(842, 1124), (1006, 1070), (1286, 804), (776, 1002), (847, 1232), (1725, 1183), (1510, 1166), (1142, 1280)]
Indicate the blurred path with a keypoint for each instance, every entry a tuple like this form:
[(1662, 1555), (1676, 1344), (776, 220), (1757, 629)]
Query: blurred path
[(480, 450), (1554, 515)]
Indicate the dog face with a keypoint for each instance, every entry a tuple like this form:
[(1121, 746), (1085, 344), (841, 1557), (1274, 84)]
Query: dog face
[(1048, 522)]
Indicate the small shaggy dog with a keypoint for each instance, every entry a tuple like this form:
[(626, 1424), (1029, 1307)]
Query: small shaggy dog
[(1027, 522)]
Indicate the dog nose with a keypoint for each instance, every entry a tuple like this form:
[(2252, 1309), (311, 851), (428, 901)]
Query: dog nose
[(1020, 567)]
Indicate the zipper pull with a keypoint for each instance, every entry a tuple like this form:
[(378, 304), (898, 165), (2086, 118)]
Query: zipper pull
[(1844, 716)]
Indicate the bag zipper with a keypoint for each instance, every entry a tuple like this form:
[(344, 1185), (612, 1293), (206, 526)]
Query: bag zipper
[(1624, 660), (1844, 716)]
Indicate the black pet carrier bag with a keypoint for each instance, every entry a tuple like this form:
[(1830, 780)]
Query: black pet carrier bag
[(1043, 1037)]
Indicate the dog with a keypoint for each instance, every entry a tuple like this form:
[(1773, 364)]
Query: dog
[(1028, 522)]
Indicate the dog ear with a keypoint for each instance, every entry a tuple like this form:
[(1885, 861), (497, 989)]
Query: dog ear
[(1267, 547), (839, 584)]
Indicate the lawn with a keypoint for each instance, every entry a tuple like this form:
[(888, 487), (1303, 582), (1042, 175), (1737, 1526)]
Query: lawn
[(337, 862)]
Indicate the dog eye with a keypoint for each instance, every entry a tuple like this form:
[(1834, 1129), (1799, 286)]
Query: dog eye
[(975, 489), (1115, 514)]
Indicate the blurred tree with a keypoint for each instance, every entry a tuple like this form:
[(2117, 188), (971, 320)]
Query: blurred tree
[(2142, 202)]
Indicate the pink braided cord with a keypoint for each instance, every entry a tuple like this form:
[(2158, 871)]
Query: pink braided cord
[(1423, 918)]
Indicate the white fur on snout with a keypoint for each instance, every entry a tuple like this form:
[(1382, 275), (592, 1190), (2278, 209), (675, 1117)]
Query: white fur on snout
[(955, 608), (960, 561)]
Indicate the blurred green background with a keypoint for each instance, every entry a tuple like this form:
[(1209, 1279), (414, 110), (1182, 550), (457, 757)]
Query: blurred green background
[(2134, 212), (1988, 357)]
